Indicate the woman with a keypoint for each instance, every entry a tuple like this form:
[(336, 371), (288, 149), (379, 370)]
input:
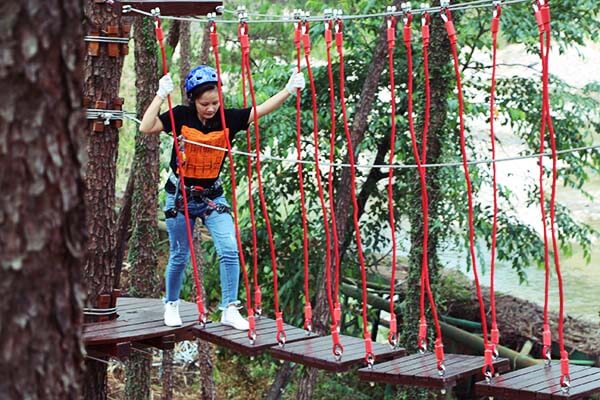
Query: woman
[(200, 122)]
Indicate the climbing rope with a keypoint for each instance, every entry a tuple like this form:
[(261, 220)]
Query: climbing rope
[(391, 40), (307, 305), (332, 139), (492, 352), (214, 40), (542, 15), (202, 316), (447, 17), (425, 284), (245, 45), (339, 40), (337, 348), (249, 167)]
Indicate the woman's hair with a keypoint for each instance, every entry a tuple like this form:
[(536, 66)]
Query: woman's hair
[(199, 91)]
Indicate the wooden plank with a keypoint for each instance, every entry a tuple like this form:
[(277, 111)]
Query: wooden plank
[(503, 381), (142, 320), (130, 327), (176, 7), (543, 383), (584, 383), (238, 341), (166, 342), (421, 370), (318, 353), (117, 350), (143, 315)]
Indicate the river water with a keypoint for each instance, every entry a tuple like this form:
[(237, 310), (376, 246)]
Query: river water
[(581, 280)]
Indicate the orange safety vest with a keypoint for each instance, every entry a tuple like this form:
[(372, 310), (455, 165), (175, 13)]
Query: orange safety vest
[(203, 162)]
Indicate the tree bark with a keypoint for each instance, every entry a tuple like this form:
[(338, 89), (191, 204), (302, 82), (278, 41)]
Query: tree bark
[(184, 52), (42, 240), (101, 83), (143, 280), (167, 375), (282, 378), (343, 206), (205, 50), (123, 229)]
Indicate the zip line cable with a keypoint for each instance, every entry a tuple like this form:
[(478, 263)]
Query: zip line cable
[(394, 166), (283, 18)]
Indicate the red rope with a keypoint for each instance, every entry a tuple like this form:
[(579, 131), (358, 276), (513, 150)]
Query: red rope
[(495, 333), (215, 45), (199, 302), (313, 91), (249, 168), (542, 13), (307, 306), (547, 336), (425, 284), (447, 16), (391, 39), (245, 44), (369, 355), (332, 137)]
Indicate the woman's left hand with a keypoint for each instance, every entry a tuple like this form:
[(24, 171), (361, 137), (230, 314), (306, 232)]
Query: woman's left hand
[(295, 82)]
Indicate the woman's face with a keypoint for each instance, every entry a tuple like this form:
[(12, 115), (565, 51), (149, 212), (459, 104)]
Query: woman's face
[(207, 105)]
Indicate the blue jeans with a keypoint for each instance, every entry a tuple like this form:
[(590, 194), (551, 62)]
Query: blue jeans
[(222, 231)]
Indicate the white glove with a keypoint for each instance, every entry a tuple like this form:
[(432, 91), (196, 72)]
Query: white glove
[(295, 82), (165, 86)]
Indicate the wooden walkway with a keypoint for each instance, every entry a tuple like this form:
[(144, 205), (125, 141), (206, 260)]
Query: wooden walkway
[(542, 382), (421, 370), (238, 341), (140, 323), (318, 353)]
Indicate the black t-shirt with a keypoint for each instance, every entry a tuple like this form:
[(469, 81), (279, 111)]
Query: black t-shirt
[(203, 165)]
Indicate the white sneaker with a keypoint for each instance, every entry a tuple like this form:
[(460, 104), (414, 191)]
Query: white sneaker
[(172, 317), (231, 317)]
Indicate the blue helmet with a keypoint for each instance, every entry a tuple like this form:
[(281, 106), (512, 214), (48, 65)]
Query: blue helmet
[(199, 76)]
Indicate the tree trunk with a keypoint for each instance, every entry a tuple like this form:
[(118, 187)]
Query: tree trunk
[(143, 280), (343, 205), (102, 77), (184, 52), (123, 230), (42, 240), (205, 50), (282, 378), (167, 375)]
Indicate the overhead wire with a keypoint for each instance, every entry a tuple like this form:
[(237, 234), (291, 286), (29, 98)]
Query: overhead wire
[(283, 18), (395, 166)]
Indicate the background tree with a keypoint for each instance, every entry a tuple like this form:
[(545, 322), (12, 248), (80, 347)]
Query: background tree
[(42, 240), (102, 75), (143, 278)]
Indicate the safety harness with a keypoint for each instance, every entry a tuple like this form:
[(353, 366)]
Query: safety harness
[(198, 194)]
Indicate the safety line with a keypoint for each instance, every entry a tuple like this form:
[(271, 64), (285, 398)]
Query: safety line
[(245, 49), (396, 166), (337, 308), (277, 19), (391, 40), (450, 29), (238, 237), (307, 305), (491, 352), (202, 314)]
